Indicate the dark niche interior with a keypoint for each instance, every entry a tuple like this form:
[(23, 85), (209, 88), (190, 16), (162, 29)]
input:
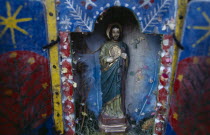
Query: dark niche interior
[(86, 70)]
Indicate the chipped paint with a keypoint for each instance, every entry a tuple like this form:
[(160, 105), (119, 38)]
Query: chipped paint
[(67, 83), (54, 66), (182, 4), (163, 88)]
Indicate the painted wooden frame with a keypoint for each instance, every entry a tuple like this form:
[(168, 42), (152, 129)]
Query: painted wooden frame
[(149, 24), (54, 66)]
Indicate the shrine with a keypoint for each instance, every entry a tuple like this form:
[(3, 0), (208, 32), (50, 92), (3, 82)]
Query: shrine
[(104, 67)]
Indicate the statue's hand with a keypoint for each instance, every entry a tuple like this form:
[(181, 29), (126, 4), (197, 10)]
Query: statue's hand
[(124, 55), (110, 59)]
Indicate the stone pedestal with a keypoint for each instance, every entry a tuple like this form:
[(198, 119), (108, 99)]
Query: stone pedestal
[(112, 125)]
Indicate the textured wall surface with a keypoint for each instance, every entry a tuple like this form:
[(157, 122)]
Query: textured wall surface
[(154, 16), (189, 111), (25, 96)]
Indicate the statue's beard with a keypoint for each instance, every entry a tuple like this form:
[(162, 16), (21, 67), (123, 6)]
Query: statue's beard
[(115, 38)]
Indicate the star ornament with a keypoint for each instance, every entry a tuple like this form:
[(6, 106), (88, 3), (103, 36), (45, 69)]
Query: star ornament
[(175, 116), (11, 22), (205, 28)]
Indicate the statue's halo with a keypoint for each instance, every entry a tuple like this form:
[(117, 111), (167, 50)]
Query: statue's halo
[(109, 28)]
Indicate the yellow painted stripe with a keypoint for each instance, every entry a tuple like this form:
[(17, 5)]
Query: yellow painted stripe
[(54, 66), (182, 7)]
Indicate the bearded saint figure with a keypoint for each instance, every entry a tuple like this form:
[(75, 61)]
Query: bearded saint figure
[(114, 67)]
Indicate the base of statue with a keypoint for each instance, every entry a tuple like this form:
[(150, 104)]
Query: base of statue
[(112, 125)]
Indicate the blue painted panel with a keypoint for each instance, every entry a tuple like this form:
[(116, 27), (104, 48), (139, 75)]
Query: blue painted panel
[(189, 108), (81, 15), (25, 89), (30, 31), (196, 34), (145, 62), (94, 99)]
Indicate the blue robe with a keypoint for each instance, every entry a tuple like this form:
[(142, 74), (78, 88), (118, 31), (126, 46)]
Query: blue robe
[(113, 77)]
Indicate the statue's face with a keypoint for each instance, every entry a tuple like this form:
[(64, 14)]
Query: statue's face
[(115, 34)]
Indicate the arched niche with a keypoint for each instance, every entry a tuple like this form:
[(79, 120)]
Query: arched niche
[(142, 76)]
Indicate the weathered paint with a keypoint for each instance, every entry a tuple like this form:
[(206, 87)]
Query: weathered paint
[(163, 87), (54, 66), (26, 106), (25, 100), (80, 16), (72, 16), (34, 43), (67, 83), (182, 5), (181, 11), (11, 22), (189, 110)]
